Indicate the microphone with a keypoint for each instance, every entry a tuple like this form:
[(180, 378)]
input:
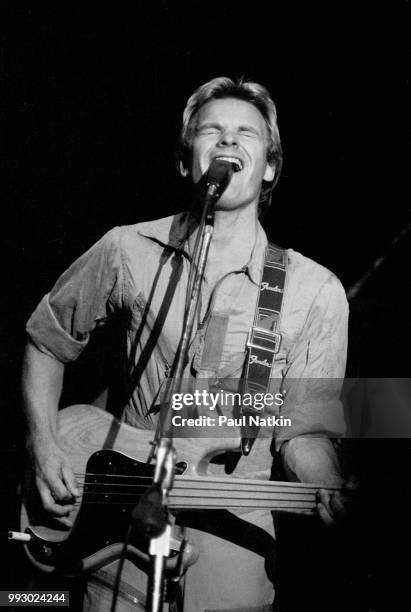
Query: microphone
[(218, 178)]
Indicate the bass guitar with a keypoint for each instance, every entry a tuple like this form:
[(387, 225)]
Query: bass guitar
[(109, 460)]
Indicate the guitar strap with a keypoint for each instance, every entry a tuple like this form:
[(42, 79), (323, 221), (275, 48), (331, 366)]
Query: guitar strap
[(264, 337)]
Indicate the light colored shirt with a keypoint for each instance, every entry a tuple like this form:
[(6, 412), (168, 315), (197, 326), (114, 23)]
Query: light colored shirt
[(143, 270)]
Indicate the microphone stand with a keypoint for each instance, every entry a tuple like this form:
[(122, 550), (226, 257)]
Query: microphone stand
[(159, 548)]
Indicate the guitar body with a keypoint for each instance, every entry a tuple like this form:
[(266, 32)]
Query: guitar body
[(109, 460)]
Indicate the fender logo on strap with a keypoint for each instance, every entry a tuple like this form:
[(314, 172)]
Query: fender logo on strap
[(263, 362), (266, 287)]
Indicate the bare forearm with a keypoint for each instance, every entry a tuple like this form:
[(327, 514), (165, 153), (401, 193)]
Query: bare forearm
[(42, 382), (310, 459)]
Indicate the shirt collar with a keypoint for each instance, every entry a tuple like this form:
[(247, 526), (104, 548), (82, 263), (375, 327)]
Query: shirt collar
[(170, 231), (257, 258), (175, 231)]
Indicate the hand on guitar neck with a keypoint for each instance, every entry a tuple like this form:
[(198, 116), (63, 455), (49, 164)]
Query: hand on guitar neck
[(336, 508), (313, 459)]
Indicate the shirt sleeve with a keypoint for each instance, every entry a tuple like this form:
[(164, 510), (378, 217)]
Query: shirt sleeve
[(81, 299), (315, 375)]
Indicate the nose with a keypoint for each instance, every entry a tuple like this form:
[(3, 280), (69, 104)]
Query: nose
[(228, 138)]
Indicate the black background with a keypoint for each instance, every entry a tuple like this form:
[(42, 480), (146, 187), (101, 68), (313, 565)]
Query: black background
[(93, 96)]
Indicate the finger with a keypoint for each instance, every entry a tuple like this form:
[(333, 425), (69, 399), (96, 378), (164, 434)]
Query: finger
[(60, 512), (70, 480), (50, 504), (324, 507), (54, 493), (325, 515), (324, 498), (66, 521), (58, 490)]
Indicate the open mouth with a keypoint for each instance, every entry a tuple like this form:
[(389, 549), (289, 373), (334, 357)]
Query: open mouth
[(236, 163)]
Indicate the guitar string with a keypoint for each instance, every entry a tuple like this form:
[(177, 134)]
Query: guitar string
[(305, 493), (309, 510), (273, 498), (269, 501), (298, 497), (195, 492), (277, 493), (246, 507), (286, 483), (244, 495), (206, 486), (269, 504), (186, 479), (181, 491), (182, 487)]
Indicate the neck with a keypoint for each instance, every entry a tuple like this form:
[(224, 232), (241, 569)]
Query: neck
[(234, 236)]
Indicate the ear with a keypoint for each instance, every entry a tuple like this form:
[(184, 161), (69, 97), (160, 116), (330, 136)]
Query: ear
[(269, 173), (183, 170)]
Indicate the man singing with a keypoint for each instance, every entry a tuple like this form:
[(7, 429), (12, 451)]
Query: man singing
[(143, 270)]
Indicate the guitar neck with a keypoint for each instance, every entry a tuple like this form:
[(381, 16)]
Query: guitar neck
[(223, 493)]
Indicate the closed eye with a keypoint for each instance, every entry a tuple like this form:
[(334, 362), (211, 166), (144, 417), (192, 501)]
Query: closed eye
[(246, 131), (208, 129)]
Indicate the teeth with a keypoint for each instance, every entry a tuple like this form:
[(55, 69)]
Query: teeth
[(233, 160)]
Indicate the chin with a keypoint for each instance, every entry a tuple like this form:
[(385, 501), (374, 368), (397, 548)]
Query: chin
[(231, 203)]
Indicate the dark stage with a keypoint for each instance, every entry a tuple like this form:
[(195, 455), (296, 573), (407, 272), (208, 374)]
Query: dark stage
[(93, 96)]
